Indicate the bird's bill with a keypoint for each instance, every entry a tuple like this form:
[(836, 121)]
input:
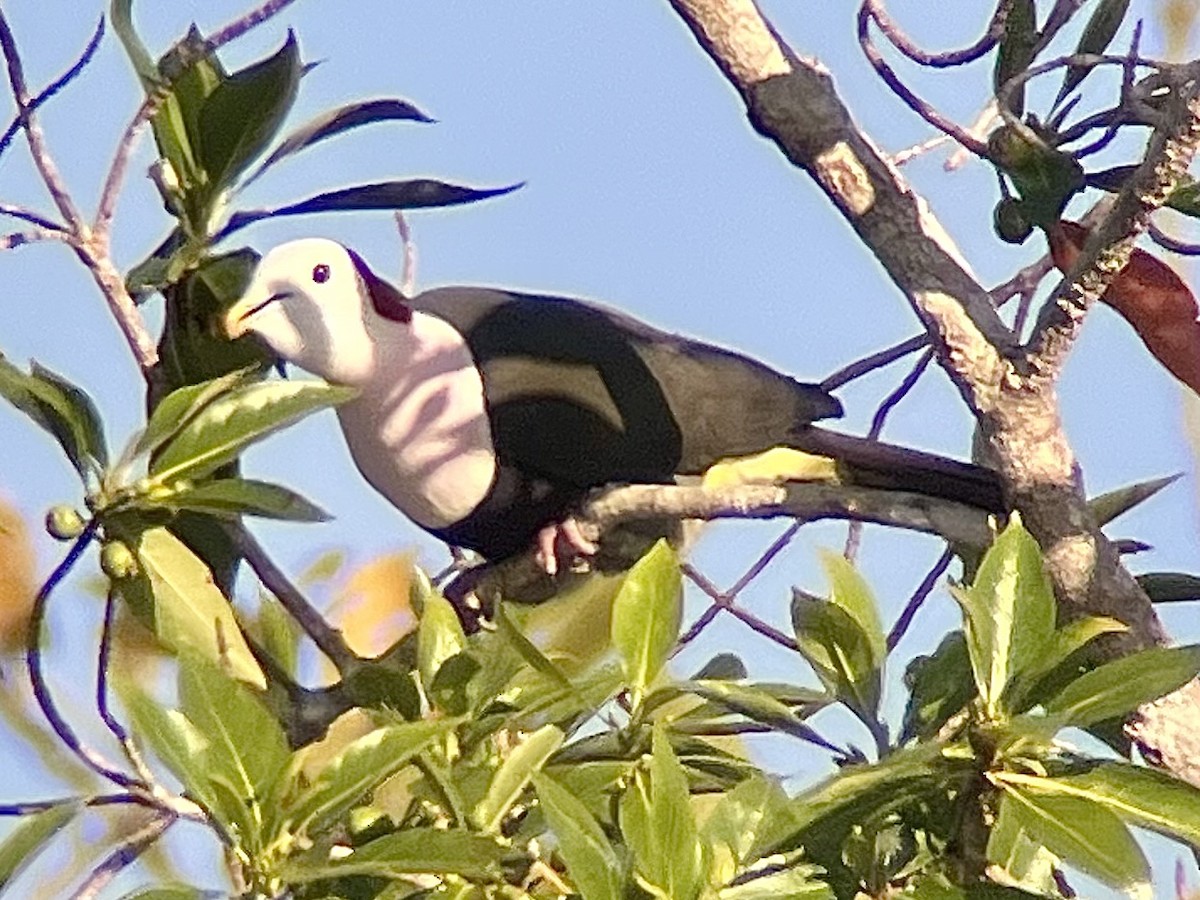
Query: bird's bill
[(237, 319)]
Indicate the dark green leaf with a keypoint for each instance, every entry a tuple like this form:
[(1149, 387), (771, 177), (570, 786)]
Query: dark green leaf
[(592, 863), (1138, 795), (647, 613), (237, 419), (243, 114), (452, 681), (190, 612), (360, 768), (723, 666), (1045, 178), (1016, 49), (1101, 28), (514, 774), (1023, 860), (940, 685), (232, 497), (1082, 833), (1119, 687), (1063, 644), (1108, 506), (415, 194), (24, 842), (759, 705), (1170, 587), (838, 649), (412, 851), (337, 121), (70, 417), (1009, 613)]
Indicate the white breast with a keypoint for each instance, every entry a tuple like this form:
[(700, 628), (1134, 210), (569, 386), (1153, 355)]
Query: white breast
[(419, 430)]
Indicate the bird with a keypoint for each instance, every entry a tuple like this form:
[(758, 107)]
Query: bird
[(486, 415)]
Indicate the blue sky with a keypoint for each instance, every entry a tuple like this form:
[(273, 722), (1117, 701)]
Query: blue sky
[(644, 188)]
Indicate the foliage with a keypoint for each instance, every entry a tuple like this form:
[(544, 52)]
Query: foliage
[(517, 761)]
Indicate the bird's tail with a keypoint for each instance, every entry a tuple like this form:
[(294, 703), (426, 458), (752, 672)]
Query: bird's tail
[(874, 464)]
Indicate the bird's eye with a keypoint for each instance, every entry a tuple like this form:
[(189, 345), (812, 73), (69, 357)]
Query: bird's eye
[(320, 273)]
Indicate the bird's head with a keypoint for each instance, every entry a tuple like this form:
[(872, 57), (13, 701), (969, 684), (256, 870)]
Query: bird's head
[(312, 301)]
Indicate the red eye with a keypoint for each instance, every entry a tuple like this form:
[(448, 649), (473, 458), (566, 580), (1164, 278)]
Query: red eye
[(320, 273)]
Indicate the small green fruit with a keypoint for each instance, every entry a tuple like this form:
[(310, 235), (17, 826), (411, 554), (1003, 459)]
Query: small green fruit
[(1009, 219), (63, 523), (117, 560)]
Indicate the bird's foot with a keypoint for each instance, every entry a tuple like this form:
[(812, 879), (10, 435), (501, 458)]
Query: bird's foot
[(567, 535)]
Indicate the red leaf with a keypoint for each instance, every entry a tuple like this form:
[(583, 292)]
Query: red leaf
[(1152, 298)]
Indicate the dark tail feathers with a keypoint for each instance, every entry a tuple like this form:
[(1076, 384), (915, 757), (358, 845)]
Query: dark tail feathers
[(873, 464)]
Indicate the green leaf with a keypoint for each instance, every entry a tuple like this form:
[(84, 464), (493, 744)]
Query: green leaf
[(174, 739), (440, 637), (181, 406), (1108, 506), (646, 616), (748, 819), (526, 649), (413, 851), (1101, 28), (243, 114), (660, 827), (233, 497), (850, 591), (415, 194), (939, 686), (237, 419), (121, 15), (759, 705), (840, 652), (246, 746), (1009, 614), (169, 892), (1045, 178), (592, 863), (1121, 686), (514, 774), (1083, 834), (1170, 587), (24, 842), (1016, 49), (1064, 643), (1138, 795), (1024, 861), (339, 120), (60, 408), (360, 768), (190, 612), (723, 667), (799, 882)]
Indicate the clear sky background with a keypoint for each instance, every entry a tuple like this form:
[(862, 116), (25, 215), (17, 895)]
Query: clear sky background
[(645, 188)]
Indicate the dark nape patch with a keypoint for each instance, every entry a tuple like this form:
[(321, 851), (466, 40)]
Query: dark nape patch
[(386, 300)]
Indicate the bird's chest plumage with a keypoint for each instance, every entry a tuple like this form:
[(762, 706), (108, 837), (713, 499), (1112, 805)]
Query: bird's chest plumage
[(419, 429)]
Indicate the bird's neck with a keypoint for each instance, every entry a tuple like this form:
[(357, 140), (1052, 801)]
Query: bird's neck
[(419, 429)]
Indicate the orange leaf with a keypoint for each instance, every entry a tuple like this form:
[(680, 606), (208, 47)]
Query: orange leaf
[(373, 606), (1151, 297), (17, 578)]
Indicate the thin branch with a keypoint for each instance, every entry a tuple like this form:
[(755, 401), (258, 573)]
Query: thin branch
[(30, 216), (327, 638), (1167, 242), (240, 26), (917, 600), (55, 86), (15, 239), (51, 177), (33, 662), (132, 753), (102, 224), (408, 266), (869, 364), (127, 853), (902, 42)]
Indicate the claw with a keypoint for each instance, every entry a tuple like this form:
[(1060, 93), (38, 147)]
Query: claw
[(566, 533)]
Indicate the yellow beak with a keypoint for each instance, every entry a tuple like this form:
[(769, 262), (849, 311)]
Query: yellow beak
[(236, 320)]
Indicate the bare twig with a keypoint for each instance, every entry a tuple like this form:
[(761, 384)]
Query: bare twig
[(132, 753), (116, 170), (901, 41), (55, 86), (408, 265), (33, 661), (30, 216), (15, 239), (327, 638), (130, 849), (915, 602), (869, 364), (1167, 242), (241, 25)]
